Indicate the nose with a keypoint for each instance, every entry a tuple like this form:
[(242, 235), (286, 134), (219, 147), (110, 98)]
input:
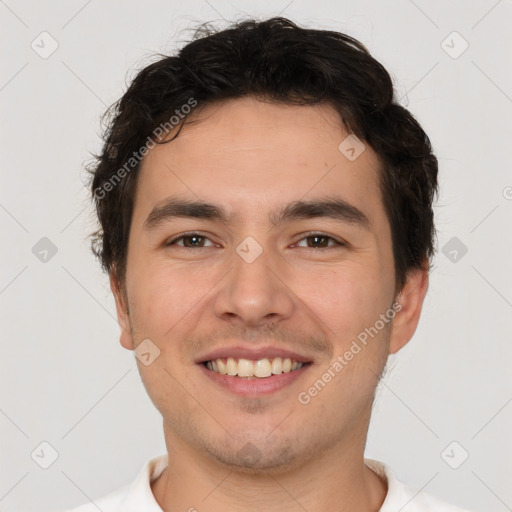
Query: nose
[(255, 292)]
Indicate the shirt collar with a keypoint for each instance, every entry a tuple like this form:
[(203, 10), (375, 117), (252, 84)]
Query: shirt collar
[(397, 492), (139, 495)]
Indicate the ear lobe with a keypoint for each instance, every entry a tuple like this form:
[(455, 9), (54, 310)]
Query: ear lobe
[(123, 317), (411, 300)]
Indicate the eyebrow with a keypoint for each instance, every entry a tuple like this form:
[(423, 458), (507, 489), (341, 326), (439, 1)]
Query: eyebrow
[(330, 207)]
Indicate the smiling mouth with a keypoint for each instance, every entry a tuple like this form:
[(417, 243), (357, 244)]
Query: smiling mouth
[(247, 368)]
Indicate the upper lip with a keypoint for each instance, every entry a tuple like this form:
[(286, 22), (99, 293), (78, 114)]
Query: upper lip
[(254, 353)]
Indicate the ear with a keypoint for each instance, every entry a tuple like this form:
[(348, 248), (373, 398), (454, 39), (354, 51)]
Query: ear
[(123, 317), (411, 301)]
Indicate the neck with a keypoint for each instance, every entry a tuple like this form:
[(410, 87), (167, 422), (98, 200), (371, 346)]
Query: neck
[(334, 480)]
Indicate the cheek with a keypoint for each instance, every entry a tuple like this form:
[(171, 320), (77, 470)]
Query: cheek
[(351, 304), (348, 299), (166, 300)]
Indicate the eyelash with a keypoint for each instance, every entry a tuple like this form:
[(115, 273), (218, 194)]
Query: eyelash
[(307, 235)]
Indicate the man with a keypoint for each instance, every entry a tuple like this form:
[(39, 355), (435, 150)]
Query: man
[(267, 226)]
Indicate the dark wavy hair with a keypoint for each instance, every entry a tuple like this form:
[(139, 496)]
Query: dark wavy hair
[(272, 60)]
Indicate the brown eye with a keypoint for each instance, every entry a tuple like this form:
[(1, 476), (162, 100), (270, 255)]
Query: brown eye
[(320, 241), (190, 240)]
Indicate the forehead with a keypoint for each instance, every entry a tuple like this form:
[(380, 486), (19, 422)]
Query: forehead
[(246, 155)]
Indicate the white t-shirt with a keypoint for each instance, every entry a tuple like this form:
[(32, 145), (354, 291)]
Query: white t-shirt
[(138, 497)]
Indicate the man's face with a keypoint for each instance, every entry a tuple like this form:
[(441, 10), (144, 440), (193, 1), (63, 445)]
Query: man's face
[(253, 288)]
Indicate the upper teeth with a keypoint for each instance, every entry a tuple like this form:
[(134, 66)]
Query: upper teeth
[(247, 368)]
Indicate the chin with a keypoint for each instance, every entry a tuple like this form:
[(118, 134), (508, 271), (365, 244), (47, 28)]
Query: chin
[(257, 457)]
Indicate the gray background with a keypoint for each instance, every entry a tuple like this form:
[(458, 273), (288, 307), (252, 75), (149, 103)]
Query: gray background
[(66, 380)]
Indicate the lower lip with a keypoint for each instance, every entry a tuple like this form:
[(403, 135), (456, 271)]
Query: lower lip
[(254, 386)]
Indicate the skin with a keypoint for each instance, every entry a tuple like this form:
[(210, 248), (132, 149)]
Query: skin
[(252, 157)]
